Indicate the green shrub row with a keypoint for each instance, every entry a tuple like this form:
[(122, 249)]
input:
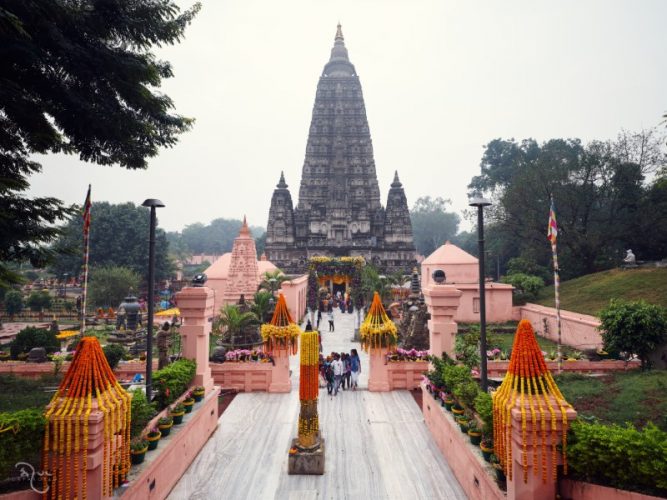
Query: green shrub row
[(173, 380), (142, 412), (620, 457), (23, 442)]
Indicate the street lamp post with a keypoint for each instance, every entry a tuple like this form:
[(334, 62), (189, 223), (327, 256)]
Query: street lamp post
[(153, 204), (480, 203)]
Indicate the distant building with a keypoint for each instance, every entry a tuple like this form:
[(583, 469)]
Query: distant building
[(462, 271), (339, 211)]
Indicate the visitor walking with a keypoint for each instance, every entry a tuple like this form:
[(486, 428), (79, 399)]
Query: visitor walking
[(355, 368), (329, 374), (348, 370), (330, 317), (338, 370), (319, 317)]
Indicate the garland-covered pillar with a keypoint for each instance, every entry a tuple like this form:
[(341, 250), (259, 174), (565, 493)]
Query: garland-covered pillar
[(280, 336), (442, 302), (378, 334), (196, 307), (530, 422)]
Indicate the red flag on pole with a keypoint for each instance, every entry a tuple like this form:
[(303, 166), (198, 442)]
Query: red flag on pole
[(86, 212), (552, 229)]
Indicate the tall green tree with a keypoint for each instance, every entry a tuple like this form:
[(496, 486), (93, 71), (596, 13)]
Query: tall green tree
[(215, 238), (78, 78), (598, 189), (432, 225), (118, 238), (110, 285)]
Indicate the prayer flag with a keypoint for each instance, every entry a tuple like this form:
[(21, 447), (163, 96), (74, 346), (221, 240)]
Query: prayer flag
[(552, 230), (86, 212)]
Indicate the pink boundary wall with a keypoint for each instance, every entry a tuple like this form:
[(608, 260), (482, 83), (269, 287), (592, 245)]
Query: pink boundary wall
[(251, 377), (499, 368), (578, 490), (406, 374), (470, 469), (577, 330), (295, 291), (160, 476)]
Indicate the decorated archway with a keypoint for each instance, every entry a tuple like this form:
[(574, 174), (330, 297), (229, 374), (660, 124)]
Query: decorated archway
[(338, 272)]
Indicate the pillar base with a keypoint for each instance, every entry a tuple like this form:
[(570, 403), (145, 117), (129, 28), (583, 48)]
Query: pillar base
[(306, 462)]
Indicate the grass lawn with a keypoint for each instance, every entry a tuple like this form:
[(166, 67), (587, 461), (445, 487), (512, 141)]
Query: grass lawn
[(621, 397), (505, 342), (23, 393), (588, 294)]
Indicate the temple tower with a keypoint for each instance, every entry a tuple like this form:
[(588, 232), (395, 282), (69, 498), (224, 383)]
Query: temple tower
[(339, 211), (243, 274)]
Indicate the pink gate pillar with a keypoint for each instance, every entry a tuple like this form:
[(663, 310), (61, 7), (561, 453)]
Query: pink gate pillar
[(442, 302), (196, 306), (378, 373), (534, 487), (280, 379)]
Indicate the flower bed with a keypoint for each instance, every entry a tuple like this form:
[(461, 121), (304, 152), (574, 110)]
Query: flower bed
[(498, 368), (248, 356), (407, 355)]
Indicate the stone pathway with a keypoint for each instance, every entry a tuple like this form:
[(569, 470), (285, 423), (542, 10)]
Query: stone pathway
[(377, 446)]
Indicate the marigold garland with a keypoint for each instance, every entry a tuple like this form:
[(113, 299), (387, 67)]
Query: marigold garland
[(281, 334), (66, 433), (309, 389), (377, 330), (528, 380)]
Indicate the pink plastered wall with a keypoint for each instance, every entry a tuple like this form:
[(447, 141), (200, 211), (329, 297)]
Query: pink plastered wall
[(578, 490), (295, 291), (577, 330)]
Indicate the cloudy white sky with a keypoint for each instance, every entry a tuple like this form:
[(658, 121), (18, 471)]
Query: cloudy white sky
[(440, 79)]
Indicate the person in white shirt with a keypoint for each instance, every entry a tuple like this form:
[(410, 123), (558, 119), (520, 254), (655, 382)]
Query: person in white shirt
[(330, 317), (338, 370)]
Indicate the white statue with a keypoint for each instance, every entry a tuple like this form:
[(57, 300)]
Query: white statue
[(630, 258)]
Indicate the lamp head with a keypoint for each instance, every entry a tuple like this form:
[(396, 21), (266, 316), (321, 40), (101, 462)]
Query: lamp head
[(199, 280), (152, 202), (478, 201)]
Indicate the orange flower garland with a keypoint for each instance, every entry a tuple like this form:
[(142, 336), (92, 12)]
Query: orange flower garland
[(529, 380), (309, 389), (67, 421), (281, 333), (377, 330)]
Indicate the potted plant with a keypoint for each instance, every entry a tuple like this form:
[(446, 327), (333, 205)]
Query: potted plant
[(138, 448), (500, 473), (448, 402), (474, 433), (164, 425), (188, 403), (457, 409), (176, 412), (462, 421), (153, 438), (198, 393), (4, 356), (486, 446)]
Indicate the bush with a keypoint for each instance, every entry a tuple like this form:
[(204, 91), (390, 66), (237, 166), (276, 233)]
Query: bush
[(633, 327), (13, 302), (31, 337), (620, 457), (38, 301), (466, 392), (526, 287), (484, 408), (114, 353), (24, 442), (173, 380), (142, 412)]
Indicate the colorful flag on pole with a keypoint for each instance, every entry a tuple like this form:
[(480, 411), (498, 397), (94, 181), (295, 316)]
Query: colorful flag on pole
[(86, 212), (552, 229)]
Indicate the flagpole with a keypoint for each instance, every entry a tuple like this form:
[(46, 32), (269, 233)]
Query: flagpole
[(86, 253), (554, 253)]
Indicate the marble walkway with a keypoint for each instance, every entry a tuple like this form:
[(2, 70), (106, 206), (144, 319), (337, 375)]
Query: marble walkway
[(377, 446)]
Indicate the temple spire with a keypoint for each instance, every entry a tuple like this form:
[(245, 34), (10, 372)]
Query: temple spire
[(244, 228), (281, 183), (339, 33), (397, 182)]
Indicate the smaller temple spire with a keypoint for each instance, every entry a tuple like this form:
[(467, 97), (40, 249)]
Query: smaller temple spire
[(397, 182), (281, 183), (244, 228), (339, 33)]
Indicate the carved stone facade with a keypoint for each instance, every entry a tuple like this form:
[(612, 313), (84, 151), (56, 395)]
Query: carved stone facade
[(339, 211), (243, 274)]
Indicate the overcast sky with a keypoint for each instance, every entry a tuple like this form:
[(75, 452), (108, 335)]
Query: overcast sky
[(440, 80)]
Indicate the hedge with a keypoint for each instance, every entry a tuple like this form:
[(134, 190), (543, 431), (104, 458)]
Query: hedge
[(620, 457), (21, 440), (173, 380)]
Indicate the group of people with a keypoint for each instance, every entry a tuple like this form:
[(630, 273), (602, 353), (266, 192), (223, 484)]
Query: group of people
[(340, 370)]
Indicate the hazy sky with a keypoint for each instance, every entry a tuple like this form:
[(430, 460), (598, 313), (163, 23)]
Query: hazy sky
[(440, 80)]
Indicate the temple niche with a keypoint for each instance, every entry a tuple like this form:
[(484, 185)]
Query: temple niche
[(339, 211)]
